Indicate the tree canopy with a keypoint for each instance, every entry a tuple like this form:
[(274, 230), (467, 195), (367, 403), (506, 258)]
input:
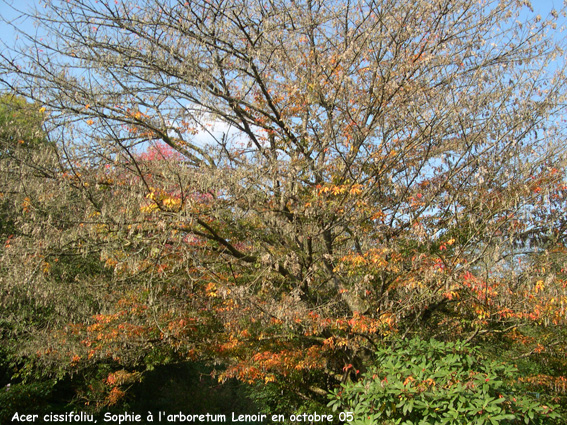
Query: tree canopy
[(372, 170)]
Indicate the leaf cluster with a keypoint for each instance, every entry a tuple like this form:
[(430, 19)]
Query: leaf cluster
[(433, 382)]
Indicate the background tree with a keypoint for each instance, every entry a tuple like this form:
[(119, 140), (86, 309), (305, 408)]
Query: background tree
[(20, 131), (25, 154), (384, 168)]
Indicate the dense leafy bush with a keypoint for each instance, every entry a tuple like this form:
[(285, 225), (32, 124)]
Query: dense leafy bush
[(28, 398), (432, 382)]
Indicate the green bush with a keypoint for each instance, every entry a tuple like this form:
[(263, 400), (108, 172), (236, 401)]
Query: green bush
[(432, 382), (24, 398)]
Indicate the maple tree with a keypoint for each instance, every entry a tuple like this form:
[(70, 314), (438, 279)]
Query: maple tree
[(382, 169)]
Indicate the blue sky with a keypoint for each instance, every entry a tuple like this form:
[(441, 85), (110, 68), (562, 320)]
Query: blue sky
[(7, 33)]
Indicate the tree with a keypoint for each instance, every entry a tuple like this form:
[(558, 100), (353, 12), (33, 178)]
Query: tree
[(20, 131), (23, 144), (384, 167), (25, 151)]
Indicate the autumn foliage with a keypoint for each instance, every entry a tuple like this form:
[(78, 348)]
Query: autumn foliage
[(280, 189)]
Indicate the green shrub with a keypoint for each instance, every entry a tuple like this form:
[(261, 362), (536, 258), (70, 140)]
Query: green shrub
[(24, 398), (432, 382)]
